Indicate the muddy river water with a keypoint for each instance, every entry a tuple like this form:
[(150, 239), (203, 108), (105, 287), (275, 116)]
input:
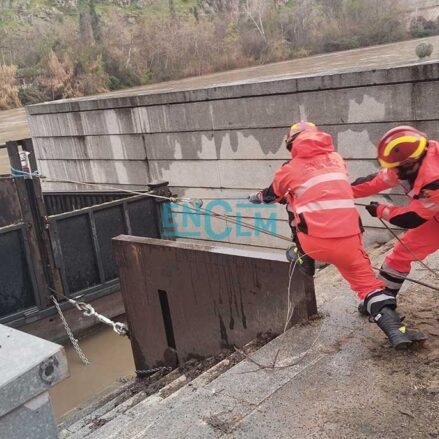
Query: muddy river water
[(111, 360)]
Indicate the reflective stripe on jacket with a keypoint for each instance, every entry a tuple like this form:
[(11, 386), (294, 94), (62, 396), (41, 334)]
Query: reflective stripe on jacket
[(316, 185), (423, 192)]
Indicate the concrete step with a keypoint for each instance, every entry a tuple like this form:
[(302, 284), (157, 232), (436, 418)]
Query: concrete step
[(76, 420), (123, 421), (120, 399), (171, 416), (334, 378)]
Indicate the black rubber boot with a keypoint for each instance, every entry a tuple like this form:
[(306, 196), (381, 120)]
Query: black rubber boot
[(417, 337), (305, 264), (362, 309), (390, 323)]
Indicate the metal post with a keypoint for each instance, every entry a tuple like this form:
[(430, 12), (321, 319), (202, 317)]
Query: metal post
[(28, 218), (36, 201), (160, 188)]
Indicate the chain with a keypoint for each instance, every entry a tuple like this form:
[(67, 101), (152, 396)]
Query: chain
[(88, 311), (74, 341)]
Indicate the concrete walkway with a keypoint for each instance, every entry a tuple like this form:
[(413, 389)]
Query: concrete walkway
[(347, 383)]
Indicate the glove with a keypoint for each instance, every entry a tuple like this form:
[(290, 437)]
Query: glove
[(372, 208), (255, 198)]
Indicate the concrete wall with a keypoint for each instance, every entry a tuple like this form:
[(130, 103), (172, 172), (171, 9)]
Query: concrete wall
[(228, 141)]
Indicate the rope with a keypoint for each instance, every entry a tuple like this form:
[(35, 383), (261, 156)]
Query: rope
[(290, 305), (18, 173), (408, 249), (410, 280), (217, 215), (403, 244), (178, 201), (225, 198), (105, 186)]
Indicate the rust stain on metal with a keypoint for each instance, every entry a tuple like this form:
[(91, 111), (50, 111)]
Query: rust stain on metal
[(185, 300), (10, 204)]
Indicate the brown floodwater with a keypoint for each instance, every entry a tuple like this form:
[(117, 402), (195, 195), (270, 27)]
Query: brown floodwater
[(111, 359)]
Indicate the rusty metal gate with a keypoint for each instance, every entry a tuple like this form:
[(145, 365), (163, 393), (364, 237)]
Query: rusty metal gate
[(81, 241), (25, 262), (19, 289), (66, 247)]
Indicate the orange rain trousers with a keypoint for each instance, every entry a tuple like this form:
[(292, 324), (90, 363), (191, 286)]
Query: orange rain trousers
[(348, 255), (422, 241)]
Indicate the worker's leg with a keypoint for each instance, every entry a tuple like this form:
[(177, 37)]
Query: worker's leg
[(295, 252), (416, 244), (348, 255)]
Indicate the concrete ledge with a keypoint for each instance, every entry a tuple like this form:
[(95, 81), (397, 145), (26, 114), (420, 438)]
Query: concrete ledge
[(29, 366), (350, 77), (24, 372)]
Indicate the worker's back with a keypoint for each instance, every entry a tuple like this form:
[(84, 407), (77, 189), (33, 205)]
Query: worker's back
[(315, 182)]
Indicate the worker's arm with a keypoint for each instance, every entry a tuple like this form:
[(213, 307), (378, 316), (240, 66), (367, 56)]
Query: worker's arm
[(374, 183), (270, 194), (266, 196), (416, 213)]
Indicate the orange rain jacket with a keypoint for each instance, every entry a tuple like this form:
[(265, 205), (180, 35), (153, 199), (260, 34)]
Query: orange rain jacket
[(316, 187), (423, 191)]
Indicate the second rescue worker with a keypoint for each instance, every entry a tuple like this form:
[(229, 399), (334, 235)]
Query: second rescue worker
[(316, 186), (411, 160)]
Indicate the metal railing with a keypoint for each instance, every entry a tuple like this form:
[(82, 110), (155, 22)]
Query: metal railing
[(61, 202)]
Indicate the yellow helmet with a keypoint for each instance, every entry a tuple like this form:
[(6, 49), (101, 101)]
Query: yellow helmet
[(296, 129)]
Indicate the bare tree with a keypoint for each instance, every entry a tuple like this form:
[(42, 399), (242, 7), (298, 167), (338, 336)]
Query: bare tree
[(171, 8), (255, 9), (88, 21), (220, 7)]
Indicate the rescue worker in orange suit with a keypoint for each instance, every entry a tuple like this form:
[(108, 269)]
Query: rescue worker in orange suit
[(316, 187), (294, 253), (408, 158)]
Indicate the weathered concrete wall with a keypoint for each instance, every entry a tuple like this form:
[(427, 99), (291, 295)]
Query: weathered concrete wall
[(228, 141), (184, 300)]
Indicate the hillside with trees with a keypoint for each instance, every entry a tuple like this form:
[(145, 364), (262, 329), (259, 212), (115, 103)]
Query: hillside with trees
[(69, 48)]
